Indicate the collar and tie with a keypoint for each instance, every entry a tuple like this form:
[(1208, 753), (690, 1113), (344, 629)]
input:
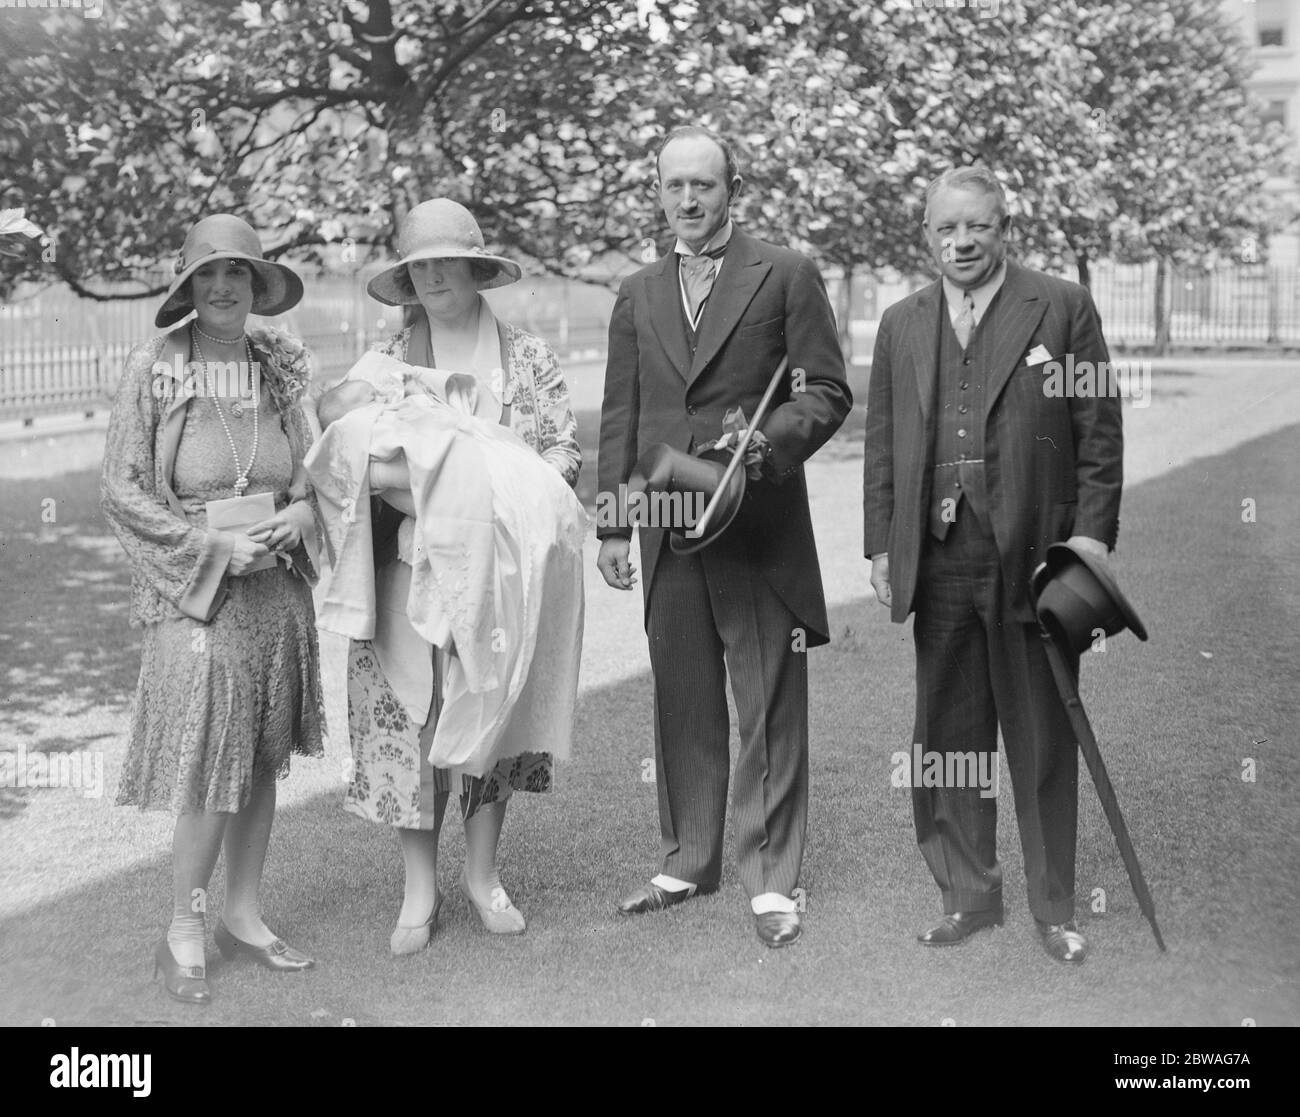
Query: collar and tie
[(967, 308), (964, 323), (698, 273)]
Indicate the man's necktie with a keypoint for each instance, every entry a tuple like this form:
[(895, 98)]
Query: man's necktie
[(698, 274), (965, 321)]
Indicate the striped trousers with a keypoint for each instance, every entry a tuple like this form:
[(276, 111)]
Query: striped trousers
[(979, 668), (708, 614)]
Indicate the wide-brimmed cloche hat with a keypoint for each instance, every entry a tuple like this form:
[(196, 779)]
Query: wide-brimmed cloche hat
[(437, 230), (1076, 596), (223, 236)]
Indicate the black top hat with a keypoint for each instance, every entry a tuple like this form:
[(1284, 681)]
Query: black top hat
[(661, 469), (1075, 594)]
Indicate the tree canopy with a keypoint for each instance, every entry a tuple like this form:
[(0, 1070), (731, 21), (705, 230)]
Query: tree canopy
[(1119, 128)]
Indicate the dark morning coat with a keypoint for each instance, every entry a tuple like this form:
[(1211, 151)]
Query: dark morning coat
[(767, 302)]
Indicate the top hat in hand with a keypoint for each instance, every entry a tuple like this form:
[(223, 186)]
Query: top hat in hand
[(664, 470), (1076, 595)]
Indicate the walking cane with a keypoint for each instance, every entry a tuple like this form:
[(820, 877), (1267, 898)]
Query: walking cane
[(703, 523), (1084, 601)]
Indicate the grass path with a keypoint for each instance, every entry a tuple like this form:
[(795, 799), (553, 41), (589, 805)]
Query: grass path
[(83, 884)]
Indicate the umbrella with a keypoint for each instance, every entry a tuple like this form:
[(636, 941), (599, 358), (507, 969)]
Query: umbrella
[(1076, 596)]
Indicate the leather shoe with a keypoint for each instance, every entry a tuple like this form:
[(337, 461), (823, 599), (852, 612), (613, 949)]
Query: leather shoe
[(960, 925), (652, 898), (777, 928), (184, 983), (1063, 941), (278, 956)]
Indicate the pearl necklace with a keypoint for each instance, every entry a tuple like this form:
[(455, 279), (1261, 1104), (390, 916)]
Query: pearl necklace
[(236, 408), (241, 473), (218, 340)]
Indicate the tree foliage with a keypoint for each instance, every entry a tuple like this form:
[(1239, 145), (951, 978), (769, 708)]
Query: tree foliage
[(1119, 127)]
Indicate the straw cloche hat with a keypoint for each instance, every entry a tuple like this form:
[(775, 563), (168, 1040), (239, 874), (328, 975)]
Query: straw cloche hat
[(223, 236), (435, 230)]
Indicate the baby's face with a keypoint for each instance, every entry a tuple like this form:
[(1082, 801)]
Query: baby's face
[(342, 398)]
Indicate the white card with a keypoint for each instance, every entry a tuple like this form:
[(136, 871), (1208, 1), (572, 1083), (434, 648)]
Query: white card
[(239, 512)]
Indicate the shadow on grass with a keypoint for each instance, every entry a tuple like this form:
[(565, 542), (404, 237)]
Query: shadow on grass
[(69, 660), (1176, 719), (64, 641)]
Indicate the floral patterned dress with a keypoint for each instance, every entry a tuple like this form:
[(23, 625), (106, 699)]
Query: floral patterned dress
[(222, 703), (392, 780)]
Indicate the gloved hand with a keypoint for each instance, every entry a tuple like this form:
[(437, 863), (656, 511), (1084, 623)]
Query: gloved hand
[(757, 452)]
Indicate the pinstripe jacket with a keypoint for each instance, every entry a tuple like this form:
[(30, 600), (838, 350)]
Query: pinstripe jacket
[(1053, 463)]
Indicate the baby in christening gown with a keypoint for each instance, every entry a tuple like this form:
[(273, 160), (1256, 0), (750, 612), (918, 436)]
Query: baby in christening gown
[(493, 535), (383, 381), (346, 395)]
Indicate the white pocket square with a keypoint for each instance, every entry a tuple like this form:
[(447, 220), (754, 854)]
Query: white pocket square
[(1037, 355)]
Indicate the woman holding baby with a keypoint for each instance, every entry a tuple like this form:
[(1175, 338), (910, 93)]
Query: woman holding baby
[(442, 270)]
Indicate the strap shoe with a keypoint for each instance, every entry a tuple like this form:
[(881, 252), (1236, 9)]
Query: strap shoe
[(279, 955)]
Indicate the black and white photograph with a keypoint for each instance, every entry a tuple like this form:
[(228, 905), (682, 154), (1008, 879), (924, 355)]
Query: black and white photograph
[(673, 513)]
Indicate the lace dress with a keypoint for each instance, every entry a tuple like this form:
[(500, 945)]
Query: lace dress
[(222, 704)]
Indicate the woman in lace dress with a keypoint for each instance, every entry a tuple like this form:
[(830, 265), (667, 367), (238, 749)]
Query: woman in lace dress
[(443, 267), (229, 677)]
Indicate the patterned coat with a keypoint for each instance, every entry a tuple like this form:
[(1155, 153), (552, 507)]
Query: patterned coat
[(177, 567)]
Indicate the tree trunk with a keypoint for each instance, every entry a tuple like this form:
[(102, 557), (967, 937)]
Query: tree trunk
[(1271, 277), (844, 314), (1081, 265), (1161, 306)]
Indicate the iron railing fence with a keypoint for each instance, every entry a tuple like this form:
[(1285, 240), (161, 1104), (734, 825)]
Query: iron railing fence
[(63, 354), (60, 353)]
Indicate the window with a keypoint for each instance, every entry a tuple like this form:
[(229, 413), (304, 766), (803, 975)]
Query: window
[(1272, 18), (1274, 112)]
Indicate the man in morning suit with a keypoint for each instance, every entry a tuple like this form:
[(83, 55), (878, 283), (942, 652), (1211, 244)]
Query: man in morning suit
[(693, 335), (974, 466)]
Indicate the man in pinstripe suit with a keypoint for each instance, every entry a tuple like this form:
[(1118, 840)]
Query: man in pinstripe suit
[(693, 335), (974, 465)]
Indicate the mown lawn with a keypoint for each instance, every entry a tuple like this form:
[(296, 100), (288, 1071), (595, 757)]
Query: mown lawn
[(1179, 718)]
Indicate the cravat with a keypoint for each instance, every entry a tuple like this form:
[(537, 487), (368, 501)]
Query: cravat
[(698, 274), (965, 321)]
